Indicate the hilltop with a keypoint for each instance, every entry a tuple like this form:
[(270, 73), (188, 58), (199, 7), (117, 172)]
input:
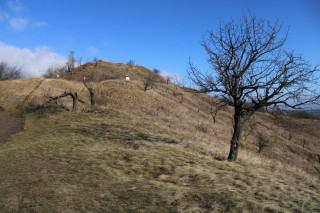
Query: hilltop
[(102, 70), (148, 151)]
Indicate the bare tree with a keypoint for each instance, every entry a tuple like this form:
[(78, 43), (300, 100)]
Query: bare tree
[(9, 72), (71, 62), (50, 73), (156, 71), (73, 95), (249, 64), (149, 81), (55, 71), (89, 87), (80, 61), (168, 79), (61, 70), (130, 62), (215, 106)]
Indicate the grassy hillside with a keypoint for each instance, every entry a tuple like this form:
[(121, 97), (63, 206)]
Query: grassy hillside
[(315, 111), (102, 70), (153, 151)]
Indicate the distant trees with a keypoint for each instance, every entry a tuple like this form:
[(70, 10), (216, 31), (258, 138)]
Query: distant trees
[(156, 71), (130, 62), (9, 72), (55, 71), (71, 62), (50, 73), (250, 65), (303, 114), (80, 61)]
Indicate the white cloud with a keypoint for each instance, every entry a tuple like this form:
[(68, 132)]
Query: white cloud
[(3, 16), (14, 17), (93, 50), (41, 24), (32, 63), (18, 23), (15, 6), (175, 78)]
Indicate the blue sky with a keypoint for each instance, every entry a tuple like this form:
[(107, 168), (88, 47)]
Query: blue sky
[(156, 34)]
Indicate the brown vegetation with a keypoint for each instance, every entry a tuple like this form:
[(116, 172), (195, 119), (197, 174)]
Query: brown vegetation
[(145, 151), (9, 72), (101, 71)]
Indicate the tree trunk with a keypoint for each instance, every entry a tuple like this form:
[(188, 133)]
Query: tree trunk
[(89, 87), (235, 141), (75, 101), (92, 101)]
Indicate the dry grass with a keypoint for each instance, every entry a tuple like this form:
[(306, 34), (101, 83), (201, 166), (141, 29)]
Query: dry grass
[(8, 125), (102, 70), (150, 153)]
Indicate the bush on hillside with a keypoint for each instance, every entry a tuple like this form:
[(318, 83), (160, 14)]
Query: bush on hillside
[(156, 71), (9, 72), (130, 62), (303, 114), (262, 142), (55, 71), (149, 81)]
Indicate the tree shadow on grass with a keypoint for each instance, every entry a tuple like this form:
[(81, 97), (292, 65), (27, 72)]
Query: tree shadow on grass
[(8, 125)]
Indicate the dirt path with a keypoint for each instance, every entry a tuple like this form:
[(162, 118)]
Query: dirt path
[(8, 125), (28, 96)]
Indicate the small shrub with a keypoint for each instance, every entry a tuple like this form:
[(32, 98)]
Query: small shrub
[(149, 81), (168, 79), (262, 142), (159, 108), (130, 62), (42, 109), (156, 71), (9, 72), (202, 128), (95, 59), (303, 114), (55, 71)]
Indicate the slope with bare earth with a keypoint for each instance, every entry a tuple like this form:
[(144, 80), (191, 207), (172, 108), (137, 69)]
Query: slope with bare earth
[(153, 151)]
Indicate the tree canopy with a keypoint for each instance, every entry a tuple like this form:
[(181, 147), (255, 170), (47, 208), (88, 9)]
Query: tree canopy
[(9, 72), (251, 68)]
